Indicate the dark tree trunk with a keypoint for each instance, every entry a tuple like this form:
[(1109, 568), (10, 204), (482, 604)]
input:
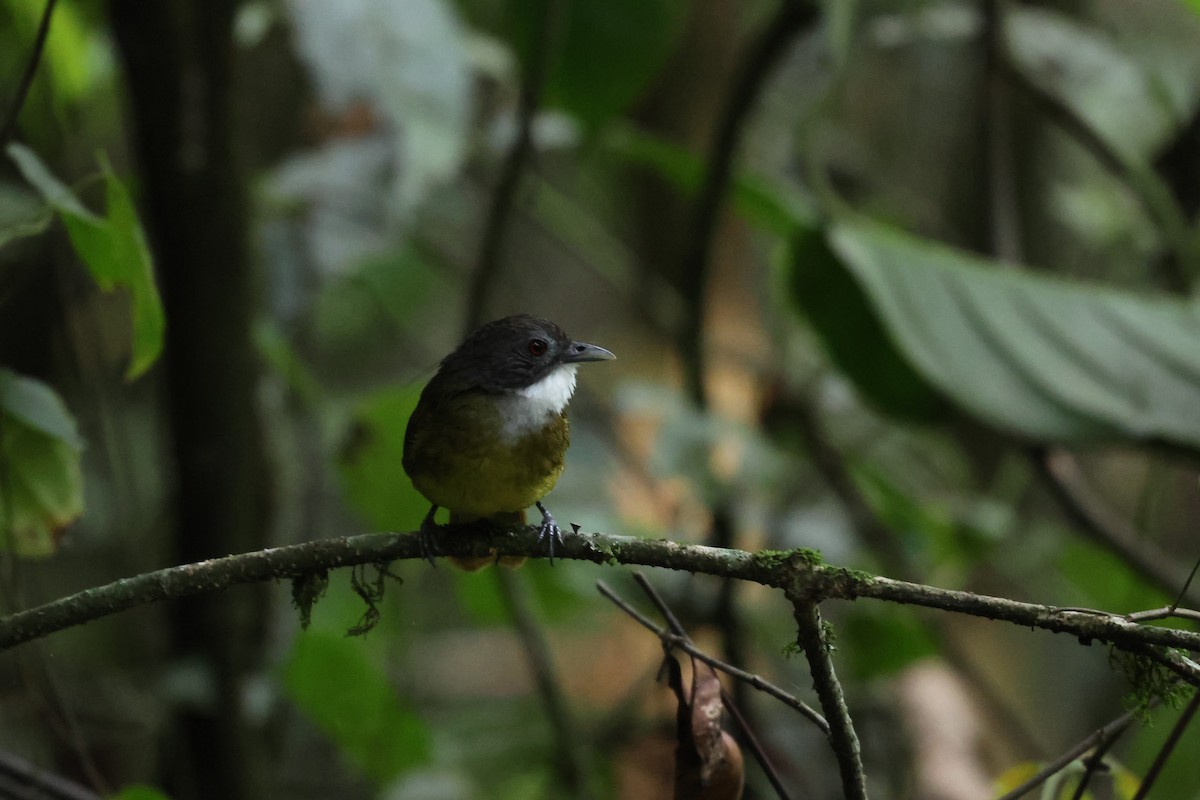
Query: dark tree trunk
[(178, 58)]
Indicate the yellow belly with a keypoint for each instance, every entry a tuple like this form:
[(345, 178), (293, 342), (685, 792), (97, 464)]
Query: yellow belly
[(458, 460)]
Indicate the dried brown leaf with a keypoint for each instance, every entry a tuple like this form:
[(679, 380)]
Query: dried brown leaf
[(708, 762)]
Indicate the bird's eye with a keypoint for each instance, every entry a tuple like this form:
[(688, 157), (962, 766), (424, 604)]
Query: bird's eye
[(537, 347)]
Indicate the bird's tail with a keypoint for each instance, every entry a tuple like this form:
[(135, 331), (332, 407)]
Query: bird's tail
[(475, 564)]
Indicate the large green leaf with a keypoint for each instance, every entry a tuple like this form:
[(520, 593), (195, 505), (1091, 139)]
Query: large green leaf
[(857, 341), (604, 52), (113, 247), (348, 696), (41, 482), (1033, 355)]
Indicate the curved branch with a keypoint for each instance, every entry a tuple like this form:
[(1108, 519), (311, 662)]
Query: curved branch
[(799, 572), (1151, 192), (35, 58), (495, 227), (762, 56), (1066, 481)]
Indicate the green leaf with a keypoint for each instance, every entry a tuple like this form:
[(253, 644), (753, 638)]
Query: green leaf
[(1113, 781), (113, 248), (330, 678), (605, 52), (22, 214), (139, 793), (37, 405), (54, 191), (842, 315), (41, 481), (369, 462), (1084, 68), (1030, 354)]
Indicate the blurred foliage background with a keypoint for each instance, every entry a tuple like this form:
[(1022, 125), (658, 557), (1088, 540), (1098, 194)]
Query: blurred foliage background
[(946, 287)]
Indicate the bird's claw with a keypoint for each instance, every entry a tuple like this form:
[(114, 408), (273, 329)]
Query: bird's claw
[(426, 538), (549, 531)]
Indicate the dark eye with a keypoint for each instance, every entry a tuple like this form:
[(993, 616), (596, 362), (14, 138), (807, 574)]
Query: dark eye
[(537, 347)]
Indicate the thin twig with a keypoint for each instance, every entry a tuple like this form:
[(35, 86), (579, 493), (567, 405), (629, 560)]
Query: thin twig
[(496, 225), (1168, 747), (760, 755), (20, 778), (811, 638), (35, 58), (1106, 734), (1166, 612), (1151, 192), (1184, 667), (1063, 476), (571, 758), (1094, 762), (1179, 598), (761, 57), (685, 644), (669, 615), (743, 725)]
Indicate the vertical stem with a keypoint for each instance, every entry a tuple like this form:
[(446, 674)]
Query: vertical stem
[(761, 57), (570, 754), (491, 246), (811, 638), (35, 58)]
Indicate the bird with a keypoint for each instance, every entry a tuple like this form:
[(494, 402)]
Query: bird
[(489, 434)]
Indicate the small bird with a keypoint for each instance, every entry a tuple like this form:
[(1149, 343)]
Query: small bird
[(488, 437)]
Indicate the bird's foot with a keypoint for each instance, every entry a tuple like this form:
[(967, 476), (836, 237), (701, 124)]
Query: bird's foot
[(549, 531), (426, 537)]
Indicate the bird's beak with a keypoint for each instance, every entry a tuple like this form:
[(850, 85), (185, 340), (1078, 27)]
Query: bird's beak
[(578, 352)]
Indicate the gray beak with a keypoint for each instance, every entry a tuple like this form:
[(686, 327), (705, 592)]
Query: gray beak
[(578, 352)]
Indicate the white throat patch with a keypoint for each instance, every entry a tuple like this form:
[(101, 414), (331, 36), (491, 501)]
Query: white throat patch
[(529, 409)]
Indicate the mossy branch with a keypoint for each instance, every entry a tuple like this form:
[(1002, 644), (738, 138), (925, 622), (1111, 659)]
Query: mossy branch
[(799, 572)]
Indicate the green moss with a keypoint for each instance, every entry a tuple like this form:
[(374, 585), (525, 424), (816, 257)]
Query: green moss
[(306, 591), (828, 636), (611, 552), (1150, 682), (772, 559)]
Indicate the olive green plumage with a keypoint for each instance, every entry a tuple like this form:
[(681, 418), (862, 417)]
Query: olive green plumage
[(489, 435), (457, 457)]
